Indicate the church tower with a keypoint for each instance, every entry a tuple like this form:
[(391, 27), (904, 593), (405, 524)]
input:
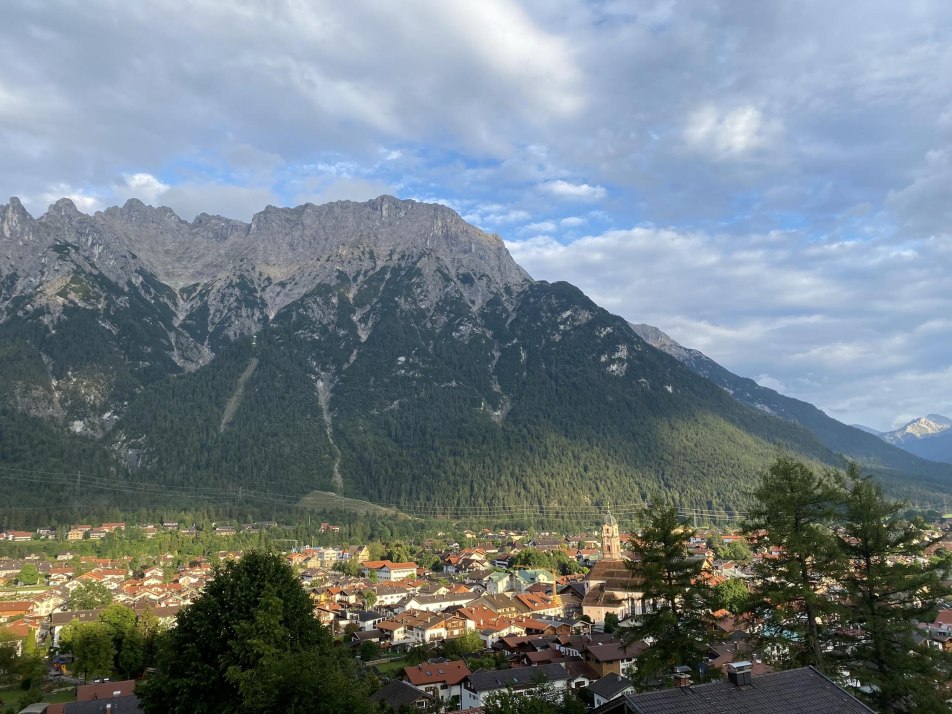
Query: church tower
[(611, 542)]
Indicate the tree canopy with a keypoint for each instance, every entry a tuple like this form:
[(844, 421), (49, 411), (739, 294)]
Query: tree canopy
[(251, 643), (888, 586), (678, 619), (793, 513)]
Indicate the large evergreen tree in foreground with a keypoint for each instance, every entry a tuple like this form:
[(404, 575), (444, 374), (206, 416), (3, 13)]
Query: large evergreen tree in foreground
[(678, 623), (251, 643), (794, 513), (888, 586)]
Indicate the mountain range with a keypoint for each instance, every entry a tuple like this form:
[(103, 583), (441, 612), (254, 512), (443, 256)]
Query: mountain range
[(384, 350), (929, 437)]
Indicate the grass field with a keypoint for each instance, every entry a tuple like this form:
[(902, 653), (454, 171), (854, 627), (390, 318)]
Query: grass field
[(392, 667), (325, 500), (64, 695)]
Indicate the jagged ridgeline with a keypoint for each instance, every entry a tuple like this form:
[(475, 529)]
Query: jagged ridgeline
[(384, 350)]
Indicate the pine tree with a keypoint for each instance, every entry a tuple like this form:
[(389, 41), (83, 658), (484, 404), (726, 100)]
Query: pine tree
[(678, 621), (793, 512), (888, 586)]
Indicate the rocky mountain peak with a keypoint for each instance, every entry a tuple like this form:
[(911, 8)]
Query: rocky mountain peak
[(64, 209), (660, 340), (920, 428), (15, 216)]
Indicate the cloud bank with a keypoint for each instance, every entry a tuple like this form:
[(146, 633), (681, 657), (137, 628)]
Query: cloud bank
[(785, 167)]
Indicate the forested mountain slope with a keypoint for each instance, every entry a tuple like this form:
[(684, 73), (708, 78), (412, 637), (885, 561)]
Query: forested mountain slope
[(892, 463), (384, 350)]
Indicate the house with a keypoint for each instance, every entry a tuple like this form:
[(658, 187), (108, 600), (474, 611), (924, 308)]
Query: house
[(609, 687), (398, 694), (522, 580), (438, 628), (387, 570), (441, 679), (527, 680), (502, 605), (538, 604), (10, 568), (793, 690), (78, 532), (128, 704), (435, 603), (612, 657), (19, 536), (367, 619), (498, 584), (15, 608), (105, 690), (358, 553)]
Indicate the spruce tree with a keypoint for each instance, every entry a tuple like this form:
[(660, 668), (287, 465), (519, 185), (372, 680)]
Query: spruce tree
[(793, 513), (678, 600), (888, 586)]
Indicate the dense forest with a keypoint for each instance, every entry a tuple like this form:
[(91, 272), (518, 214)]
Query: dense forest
[(414, 382)]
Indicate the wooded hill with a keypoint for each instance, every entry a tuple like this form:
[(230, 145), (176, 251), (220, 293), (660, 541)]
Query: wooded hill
[(385, 351)]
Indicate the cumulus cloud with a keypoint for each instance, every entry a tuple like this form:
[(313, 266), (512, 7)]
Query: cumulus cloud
[(345, 188), (146, 187), (82, 200), (844, 326), (540, 227), (574, 191), (731, 133), (745, 139), (242, 202)]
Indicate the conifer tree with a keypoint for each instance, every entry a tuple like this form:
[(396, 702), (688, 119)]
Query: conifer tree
[(793, 513), (888, 586), (678, 600)]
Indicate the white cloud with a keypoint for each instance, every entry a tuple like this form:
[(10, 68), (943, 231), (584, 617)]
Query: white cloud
[(730, 133), (574, 191), (793, 170), (823, 323), (81, 199), (145, 187), (343, 189), (540, 227), (190, 199)]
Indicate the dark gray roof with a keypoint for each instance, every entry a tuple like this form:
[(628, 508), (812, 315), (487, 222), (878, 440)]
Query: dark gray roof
[(609, 686), (398, 693), (794, 691), (365, 635), (120, 705), (488, 681), (369, 615)]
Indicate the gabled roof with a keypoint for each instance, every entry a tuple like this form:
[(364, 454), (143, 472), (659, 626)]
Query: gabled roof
[(398, 693), (449, 672), (615, 651), (609, 686), (793, 691), (489, 681)]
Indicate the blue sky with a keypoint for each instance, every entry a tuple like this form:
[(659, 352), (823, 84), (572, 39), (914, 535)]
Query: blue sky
[(770, 182)]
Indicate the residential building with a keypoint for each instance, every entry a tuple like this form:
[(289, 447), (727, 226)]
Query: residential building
[(440, 679), (553, 678), (793, 690)]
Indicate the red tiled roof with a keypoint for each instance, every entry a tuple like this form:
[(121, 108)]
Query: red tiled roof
[(449, 672)]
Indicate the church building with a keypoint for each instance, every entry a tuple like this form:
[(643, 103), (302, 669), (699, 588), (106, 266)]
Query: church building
[(611, 585)]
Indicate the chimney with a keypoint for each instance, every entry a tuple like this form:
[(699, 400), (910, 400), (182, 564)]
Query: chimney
[(739, 673), (682, 676)]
